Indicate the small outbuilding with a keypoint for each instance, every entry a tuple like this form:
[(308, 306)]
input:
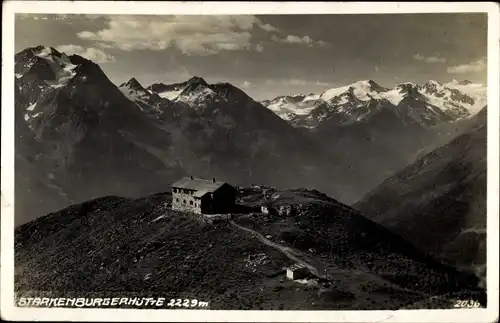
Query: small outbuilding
[(297, 271)]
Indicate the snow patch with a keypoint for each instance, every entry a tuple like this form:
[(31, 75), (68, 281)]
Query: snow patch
[(171, 95), (289, 110), (477, 91), (64, 76), (44, 52), (200, 95), (394, 96), (61, 65), (331, 93), (31, 107), (311, 97), (362, 90)]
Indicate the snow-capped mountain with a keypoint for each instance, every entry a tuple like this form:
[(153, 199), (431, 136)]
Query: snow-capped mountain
[(81, 136), (148, 101), (476, 91), (428, 104), (292, 106), (197, 93), (220, 131), (172, 91), (134, 90), (365, 123)]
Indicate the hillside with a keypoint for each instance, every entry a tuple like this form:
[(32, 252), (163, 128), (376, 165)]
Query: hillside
[(140, 246), (439, 202)]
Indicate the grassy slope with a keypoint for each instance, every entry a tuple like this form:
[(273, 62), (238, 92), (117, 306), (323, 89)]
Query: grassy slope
[(121, 247), (439, 202)]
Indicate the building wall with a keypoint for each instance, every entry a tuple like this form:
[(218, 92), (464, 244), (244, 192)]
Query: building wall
[(182, 202), (297, 273), (224, 200), (206, 204)]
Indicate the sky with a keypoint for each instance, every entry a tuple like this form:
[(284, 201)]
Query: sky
[(270, 55)]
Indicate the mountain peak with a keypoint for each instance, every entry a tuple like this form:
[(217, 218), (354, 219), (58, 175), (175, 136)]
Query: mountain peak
[(45, 50), (433, 82), (368, 85), (366, 82), (197, 80), (40, 51), (133, 84), (406, 86)]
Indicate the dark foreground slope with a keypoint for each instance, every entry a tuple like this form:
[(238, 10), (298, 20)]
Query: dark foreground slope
[(126, 247), (439, 202)]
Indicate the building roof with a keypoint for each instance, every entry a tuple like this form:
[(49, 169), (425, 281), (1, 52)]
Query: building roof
[(296, 267), (202, 186)]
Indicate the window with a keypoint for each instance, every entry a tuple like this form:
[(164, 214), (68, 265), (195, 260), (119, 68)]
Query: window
[(191, 202), (184, 202), (177, 200)]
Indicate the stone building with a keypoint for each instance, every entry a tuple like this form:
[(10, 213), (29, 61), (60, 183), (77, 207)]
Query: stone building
[(203, 196)]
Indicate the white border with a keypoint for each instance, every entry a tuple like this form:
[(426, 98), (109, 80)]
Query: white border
[(9, 312)]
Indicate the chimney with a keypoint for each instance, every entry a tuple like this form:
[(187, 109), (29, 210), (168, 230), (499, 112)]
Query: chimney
[(213, 180), (191, 177)]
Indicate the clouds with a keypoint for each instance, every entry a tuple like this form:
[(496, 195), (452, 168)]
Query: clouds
[(259, 48), (472, 67), (269, 28), (429, 59), (94, 54), (292, 39), (191, 35), (319, 83), (246, 84)]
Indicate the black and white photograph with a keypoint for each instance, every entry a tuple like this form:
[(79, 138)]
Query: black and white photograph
[(269, 162)]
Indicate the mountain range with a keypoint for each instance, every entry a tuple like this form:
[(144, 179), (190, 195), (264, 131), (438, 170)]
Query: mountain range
[(428, 105), (412, 159), (84, 137)]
